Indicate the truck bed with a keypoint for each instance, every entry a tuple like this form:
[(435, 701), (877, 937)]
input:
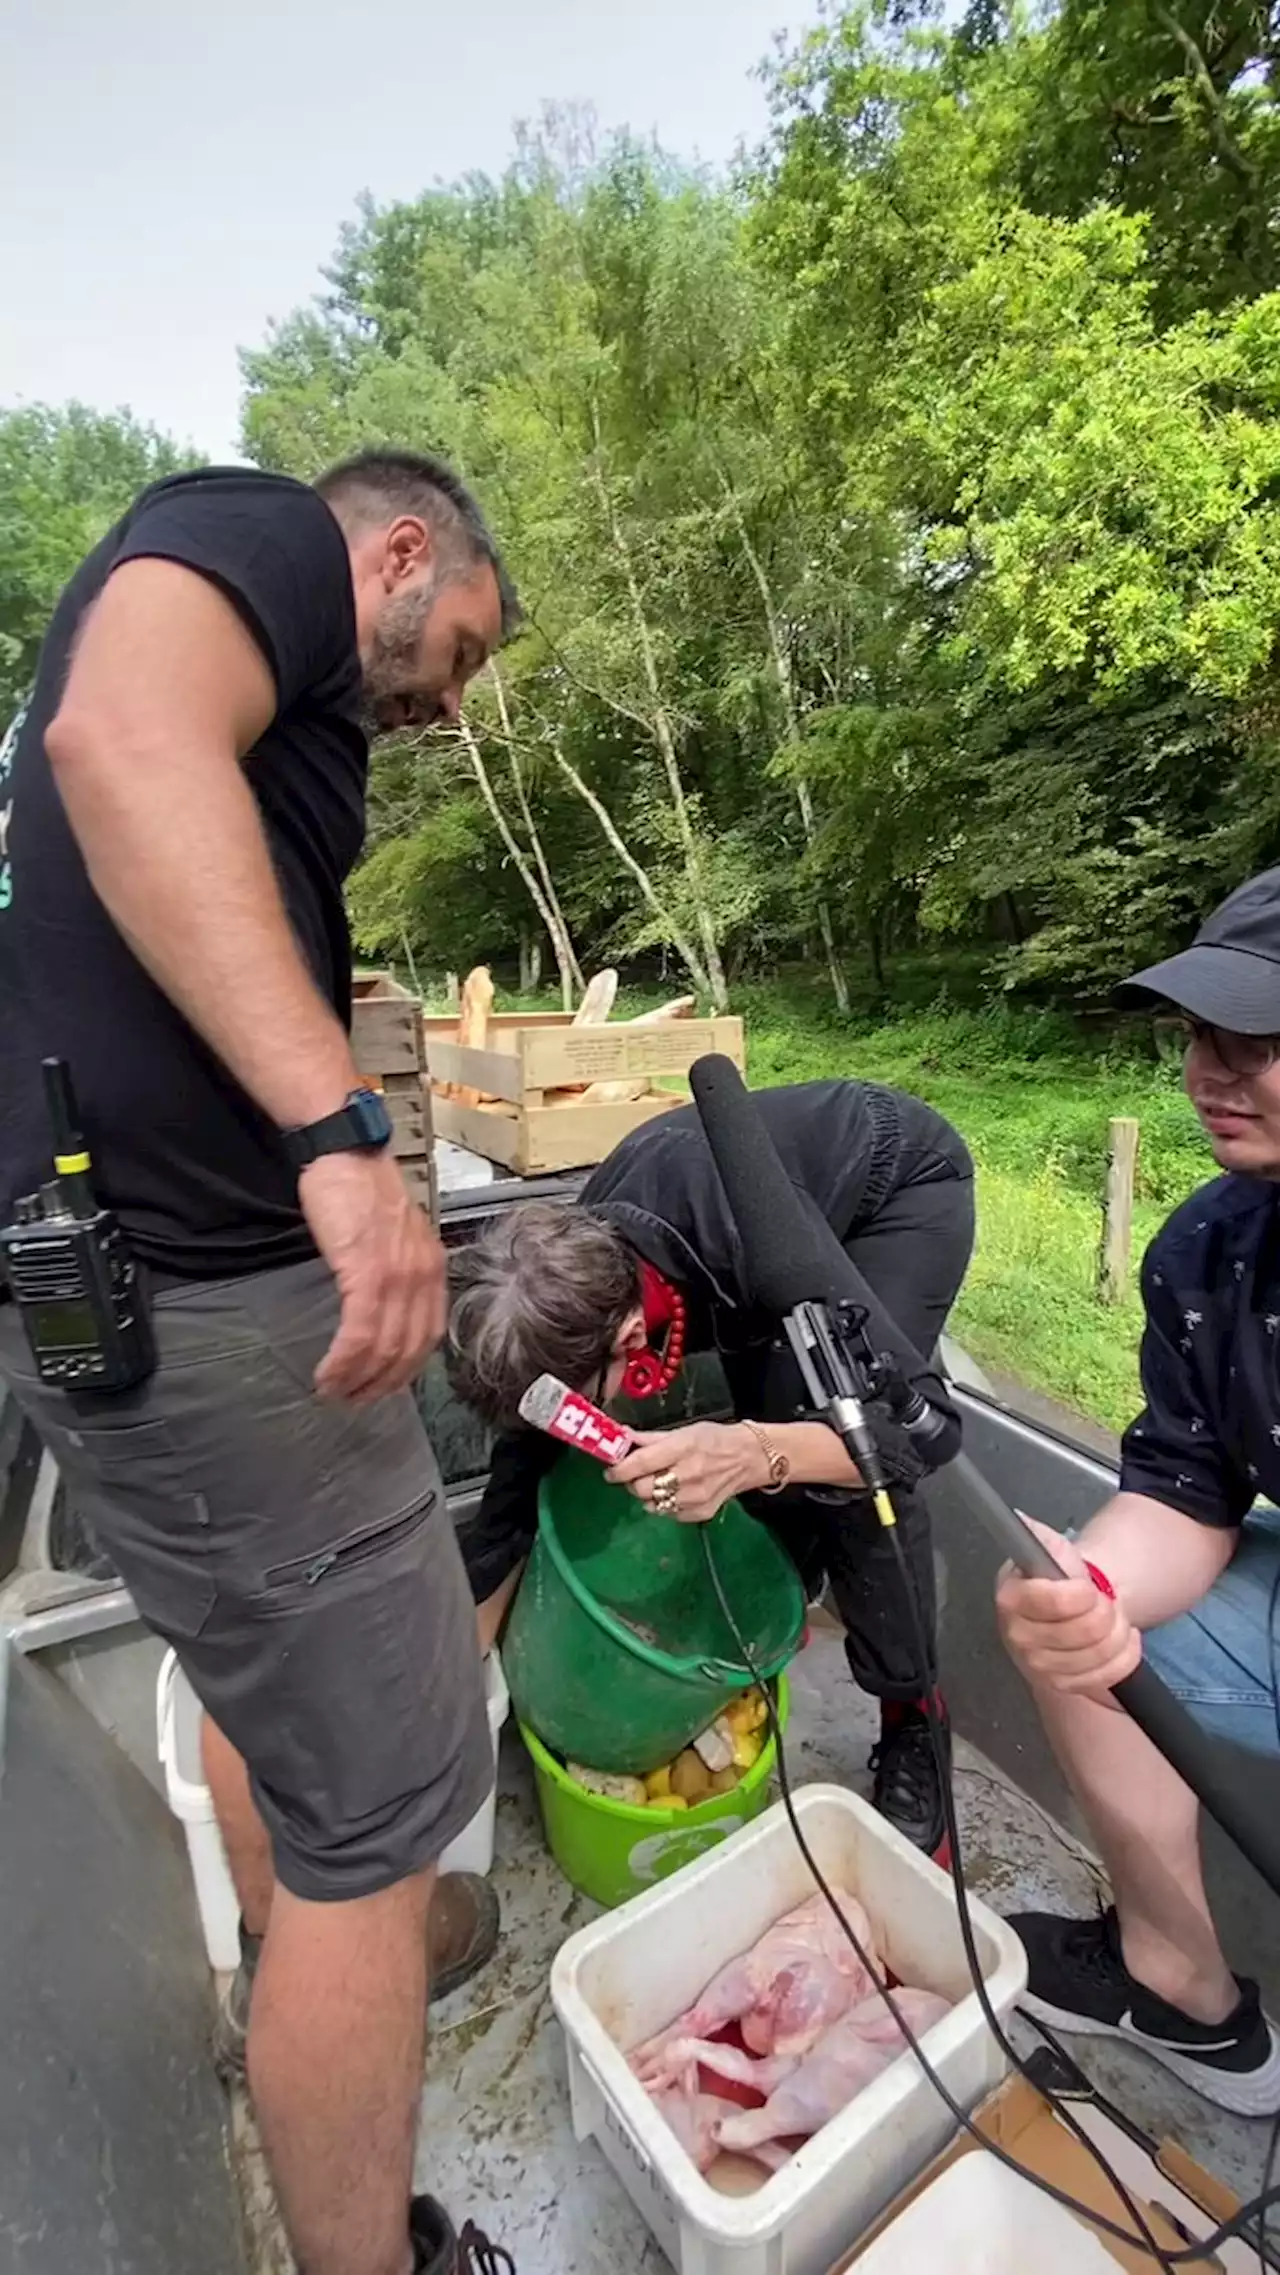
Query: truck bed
[(118, 2155)]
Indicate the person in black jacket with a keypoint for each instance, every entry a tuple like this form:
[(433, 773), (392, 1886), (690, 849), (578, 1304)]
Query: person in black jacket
[(608, 1293)]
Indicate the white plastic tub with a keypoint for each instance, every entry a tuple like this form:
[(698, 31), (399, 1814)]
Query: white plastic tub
[(621, 1980), (178, 1739), (473, 1849)]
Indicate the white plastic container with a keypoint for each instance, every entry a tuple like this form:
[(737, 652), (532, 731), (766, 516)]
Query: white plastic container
[(621, 1980), (473, 1849), (978, 2218), (178, 1737), (178, 1740)]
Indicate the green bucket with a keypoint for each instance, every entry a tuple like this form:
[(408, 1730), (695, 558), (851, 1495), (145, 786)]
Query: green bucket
[(612, 1851), (616, 1651)]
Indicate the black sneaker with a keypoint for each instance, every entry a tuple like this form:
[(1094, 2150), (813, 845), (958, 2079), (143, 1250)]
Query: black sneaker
[(477, 2256), (438, 2251), (906, 1787), (435, 2244), (1077, 1981)]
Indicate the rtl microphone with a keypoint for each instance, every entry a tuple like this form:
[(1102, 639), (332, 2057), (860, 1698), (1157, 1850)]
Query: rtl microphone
[(549, 1405)]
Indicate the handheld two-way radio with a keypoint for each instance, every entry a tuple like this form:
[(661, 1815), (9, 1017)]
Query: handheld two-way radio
[(77, 1287)]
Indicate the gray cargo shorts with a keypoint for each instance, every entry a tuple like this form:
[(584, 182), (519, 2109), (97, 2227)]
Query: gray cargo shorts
[(299, 1557)]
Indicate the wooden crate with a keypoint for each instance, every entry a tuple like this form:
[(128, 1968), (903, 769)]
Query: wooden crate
[(387, 1040), (529, 1056)]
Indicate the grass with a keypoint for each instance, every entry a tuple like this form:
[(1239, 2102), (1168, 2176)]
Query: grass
[(1032, 1093)]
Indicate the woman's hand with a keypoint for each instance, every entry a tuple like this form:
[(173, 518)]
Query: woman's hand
[(706, 1464)]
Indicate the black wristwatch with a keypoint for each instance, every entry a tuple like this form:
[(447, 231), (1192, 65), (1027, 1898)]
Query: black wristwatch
[(361, 1125)]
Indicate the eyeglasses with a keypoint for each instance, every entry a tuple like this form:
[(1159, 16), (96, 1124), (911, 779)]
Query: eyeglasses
[(1176, 1031)]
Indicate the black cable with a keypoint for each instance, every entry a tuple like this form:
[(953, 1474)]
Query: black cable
[(972, 1958), (1168, 2260), (1064, 2114)]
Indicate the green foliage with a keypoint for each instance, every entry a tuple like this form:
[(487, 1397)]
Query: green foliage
[(987, 354), (1168, 111), (65, 475)]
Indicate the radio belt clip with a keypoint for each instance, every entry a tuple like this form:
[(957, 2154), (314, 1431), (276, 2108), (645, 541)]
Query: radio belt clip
[(77, 1288)]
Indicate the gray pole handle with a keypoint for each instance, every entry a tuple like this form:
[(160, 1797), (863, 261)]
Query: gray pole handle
[(1012, 1537), (1229, 1785)]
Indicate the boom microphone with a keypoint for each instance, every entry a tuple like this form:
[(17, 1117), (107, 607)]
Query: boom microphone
[(793, 1259), (791, 1254)]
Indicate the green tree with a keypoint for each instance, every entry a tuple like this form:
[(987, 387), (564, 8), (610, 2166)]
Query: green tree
[(897, 521), (1084, 591), (65, 475), (1164, 108)]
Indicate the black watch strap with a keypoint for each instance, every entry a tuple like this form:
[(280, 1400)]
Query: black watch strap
[(361, 1125)]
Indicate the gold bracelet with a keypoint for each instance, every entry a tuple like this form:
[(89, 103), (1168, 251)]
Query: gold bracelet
[(779, 1465)]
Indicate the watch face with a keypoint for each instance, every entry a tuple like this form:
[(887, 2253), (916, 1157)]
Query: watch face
[(371, 1113)]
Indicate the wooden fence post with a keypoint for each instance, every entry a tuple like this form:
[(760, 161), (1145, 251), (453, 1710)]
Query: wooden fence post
[(1117, 1210)]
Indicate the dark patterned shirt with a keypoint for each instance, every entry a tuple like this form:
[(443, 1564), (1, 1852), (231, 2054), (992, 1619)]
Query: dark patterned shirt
[(1208, 1440)]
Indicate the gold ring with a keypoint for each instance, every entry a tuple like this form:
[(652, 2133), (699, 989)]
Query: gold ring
[(666, 1489)]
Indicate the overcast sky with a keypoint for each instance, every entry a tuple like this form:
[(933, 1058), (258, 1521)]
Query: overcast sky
[(174, 172)]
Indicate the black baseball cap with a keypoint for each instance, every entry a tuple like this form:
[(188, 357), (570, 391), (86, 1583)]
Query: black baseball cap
[(1230, 975)]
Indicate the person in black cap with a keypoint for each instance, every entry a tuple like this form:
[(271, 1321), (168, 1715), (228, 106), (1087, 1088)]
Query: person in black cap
[(1181, 1566)]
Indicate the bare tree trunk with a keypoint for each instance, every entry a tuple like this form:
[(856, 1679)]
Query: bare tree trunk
[(683, 946), (565, 955), (1228, 148), (527, 877), (791, 722), (876, 945), (839, 983), (660, 727)]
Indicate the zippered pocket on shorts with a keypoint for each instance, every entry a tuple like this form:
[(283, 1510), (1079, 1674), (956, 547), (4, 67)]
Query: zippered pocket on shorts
[(358, 1548)]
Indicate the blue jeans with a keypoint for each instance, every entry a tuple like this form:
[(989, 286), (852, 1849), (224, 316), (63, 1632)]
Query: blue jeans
[(1218, 1658)]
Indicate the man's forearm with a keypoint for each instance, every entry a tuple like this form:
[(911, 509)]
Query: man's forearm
[(176, 853), (1159, 1561)]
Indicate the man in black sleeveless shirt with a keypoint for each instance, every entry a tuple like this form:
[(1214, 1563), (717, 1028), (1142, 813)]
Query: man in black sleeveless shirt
[(180, 804)]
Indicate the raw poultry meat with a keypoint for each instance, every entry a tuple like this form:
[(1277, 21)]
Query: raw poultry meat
[(800, 1977), (694, 2118), (845, 2059), (762, 2073)]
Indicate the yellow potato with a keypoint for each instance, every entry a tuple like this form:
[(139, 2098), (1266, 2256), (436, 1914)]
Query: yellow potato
[(747, 1713), (658, 1783), (690, 1777)]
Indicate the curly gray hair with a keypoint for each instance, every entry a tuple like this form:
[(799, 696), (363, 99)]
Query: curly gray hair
[(544, 1290)]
